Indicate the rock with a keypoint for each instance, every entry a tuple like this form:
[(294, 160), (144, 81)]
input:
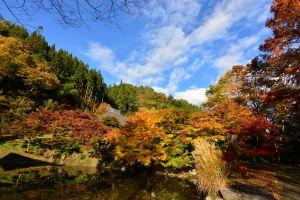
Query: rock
[(228, 194), (211, 198), (76, 160), (6, 183), (193, 181), (193, 172), (153, 195)]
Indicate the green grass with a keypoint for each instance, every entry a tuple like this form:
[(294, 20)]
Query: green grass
[(12, 145)]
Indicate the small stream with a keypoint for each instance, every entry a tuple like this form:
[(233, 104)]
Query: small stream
[(61, 182)]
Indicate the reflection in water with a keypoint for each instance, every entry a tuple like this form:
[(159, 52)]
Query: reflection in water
[(15, 161), (60, 183)]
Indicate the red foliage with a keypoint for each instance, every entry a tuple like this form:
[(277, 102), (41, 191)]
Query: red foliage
[(242, 169), (81, 125), (254, 137)]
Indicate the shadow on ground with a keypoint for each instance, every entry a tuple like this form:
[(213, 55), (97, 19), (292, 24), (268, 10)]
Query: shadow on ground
[(253, 192), (289, 182)]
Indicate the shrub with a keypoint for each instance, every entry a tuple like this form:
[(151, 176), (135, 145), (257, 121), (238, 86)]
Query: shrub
[(68, 150), (141, 139), (50, 104), (178, 150), (177, 145), (111, 121), (21, 106), (211, 176), (156, 137), (83, 126), (104, 151)]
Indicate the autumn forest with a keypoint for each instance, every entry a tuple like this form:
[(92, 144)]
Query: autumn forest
[(56, 109)]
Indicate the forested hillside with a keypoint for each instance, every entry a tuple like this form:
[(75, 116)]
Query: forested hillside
[(38, 74)]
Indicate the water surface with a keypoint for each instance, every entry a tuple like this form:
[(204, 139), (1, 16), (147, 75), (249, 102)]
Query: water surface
[(58, 182)]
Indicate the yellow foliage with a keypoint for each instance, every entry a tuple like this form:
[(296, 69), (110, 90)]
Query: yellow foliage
[(16, 62), (38, 77), (11, 55), (227, 88)]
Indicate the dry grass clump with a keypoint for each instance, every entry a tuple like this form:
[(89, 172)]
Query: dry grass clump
[(102, 108), (210, 169)]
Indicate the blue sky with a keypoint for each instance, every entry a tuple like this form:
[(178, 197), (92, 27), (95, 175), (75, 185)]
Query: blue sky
[(178, 47)]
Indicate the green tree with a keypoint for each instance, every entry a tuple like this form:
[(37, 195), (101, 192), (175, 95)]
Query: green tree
[(8, 29), (37, 45), (123, 97), (79, 77), (95, 87)]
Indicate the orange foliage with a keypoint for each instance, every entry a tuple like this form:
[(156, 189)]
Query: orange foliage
[(39, 77), (16, 62), (140, 140), (220, 118), (282, 53), (245, 134), (285, 26), (207, 124), (113, 134)]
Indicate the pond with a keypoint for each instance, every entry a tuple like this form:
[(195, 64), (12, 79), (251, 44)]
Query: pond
[(61, 182)]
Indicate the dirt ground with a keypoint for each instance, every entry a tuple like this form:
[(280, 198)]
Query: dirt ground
[(269, 182)]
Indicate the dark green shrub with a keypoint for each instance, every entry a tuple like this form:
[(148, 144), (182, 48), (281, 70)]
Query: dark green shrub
[(111, 121)]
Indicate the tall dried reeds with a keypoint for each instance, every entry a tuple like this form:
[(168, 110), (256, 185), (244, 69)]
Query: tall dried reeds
[(211, 174)]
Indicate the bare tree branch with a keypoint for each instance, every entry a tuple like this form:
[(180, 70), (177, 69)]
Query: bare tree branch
[(13, 14), (74, 12)]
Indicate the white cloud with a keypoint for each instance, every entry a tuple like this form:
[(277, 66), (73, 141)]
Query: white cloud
[(223, 17), (245, 43), (196, 64), (226, 62), (161, 90), (236, 53), (170, 44), (175, 34), (177, 75), (176, 12), (100, 53), (194, 96)]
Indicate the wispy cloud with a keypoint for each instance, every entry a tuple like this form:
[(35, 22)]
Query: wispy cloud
[(181, 13), (236, 53), (178, 33)]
